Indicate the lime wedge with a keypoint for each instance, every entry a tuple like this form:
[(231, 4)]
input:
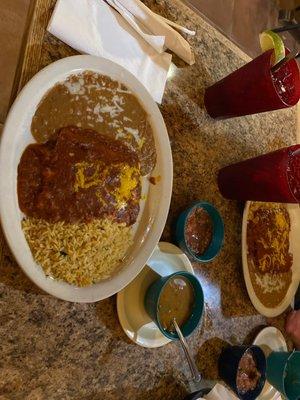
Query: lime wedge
[(270, 40)]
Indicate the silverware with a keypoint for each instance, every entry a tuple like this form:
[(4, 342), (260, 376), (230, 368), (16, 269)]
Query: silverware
[(198, 385), (286, 28), (196, 376)]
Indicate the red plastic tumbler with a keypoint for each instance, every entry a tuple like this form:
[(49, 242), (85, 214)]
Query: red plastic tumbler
[(271, 177), (253, 89)]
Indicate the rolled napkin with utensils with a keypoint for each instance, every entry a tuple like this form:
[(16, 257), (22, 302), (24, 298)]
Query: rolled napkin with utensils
[(149, 22), (219, 392), (121, 34)]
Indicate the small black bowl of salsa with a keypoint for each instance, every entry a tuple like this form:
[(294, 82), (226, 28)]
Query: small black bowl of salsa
[(200, 231), (243, 368)]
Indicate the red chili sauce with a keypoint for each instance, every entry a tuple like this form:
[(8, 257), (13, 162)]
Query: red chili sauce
[(79, 176), (198, 230), (247, 375)]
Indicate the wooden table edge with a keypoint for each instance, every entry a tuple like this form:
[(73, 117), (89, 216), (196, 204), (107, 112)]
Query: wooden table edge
[(32, 44)]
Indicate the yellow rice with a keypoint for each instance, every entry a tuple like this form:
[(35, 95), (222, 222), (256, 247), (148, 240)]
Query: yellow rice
[(80, 254)]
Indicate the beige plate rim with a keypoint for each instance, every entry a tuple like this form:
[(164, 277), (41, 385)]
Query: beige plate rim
[(16, 136), (166, 250), (272, 337)]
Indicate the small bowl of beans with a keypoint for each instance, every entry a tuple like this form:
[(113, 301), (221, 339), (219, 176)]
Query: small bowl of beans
[(200, 231)]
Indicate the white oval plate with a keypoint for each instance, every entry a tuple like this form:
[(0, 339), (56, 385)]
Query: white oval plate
[(136, 323), (270, 339), (16, 136), (294, 213)]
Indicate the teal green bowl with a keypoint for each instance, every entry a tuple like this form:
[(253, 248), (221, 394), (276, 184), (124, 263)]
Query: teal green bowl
[(152, 301), (283, 372), (218, 232)]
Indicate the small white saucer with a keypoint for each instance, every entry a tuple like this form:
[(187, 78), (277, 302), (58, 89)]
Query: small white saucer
[(138, 326), (270, 339)]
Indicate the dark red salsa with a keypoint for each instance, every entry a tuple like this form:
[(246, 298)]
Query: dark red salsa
[(248, 375), (78, 176), (198, 230)]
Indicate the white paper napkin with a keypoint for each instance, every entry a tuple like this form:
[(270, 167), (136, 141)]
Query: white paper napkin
[(156, 41), (144, 21), (219, 392), (93, 27)]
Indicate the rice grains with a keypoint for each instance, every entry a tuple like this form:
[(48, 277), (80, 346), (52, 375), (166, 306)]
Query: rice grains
[(80, 254)]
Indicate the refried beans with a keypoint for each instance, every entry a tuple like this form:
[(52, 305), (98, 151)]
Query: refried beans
[(93, 101), (269, 260)]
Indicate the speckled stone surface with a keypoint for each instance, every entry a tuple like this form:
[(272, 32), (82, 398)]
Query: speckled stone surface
[(50, 349)]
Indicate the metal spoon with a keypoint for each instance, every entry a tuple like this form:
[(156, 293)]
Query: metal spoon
[(196, 376)]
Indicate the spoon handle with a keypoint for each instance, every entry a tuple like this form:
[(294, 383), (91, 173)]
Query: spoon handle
[(194, 370)]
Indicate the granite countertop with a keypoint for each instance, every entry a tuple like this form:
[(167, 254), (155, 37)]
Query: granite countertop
[(50, 349)]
